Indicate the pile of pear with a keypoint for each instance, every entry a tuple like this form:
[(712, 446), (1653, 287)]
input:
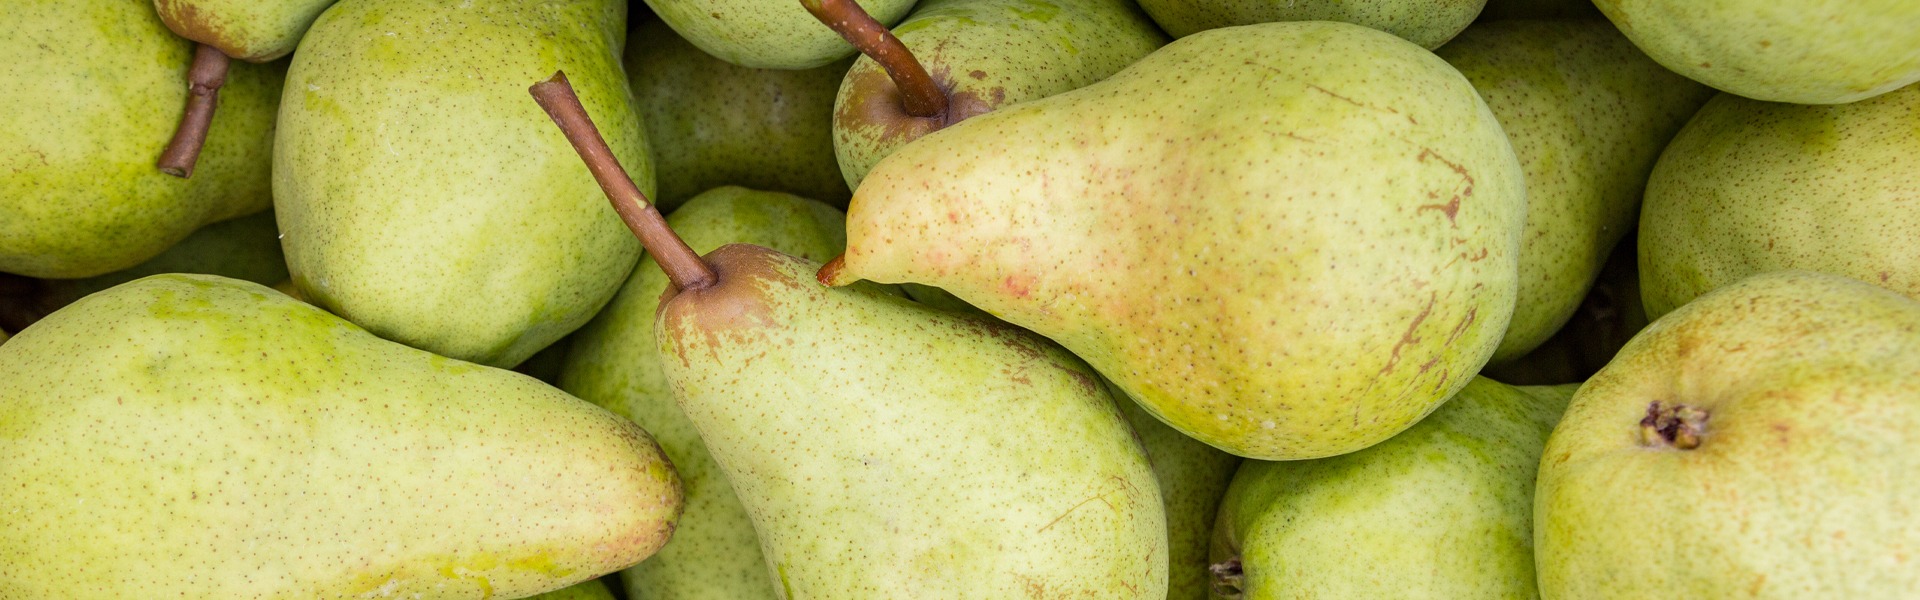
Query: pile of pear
[(825, 299)]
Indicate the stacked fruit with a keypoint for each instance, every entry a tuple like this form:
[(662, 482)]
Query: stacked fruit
[(1176, 299)]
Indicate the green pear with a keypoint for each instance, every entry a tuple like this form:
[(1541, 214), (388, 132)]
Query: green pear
[(1428, 23), (1799, 51), (250, 30), (1609, 316), (985, 55), (247, 248), (616, 363), (94, 90), (1750, 187), (1444, 510), (766, 34), (1759, 442), (1538, 9), (1193, 477), (197, 437), (1588, 115), (424, 198), (1211, 224), (591, 589), (711, 123)]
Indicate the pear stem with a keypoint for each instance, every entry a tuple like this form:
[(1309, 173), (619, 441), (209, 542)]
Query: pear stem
[(923, 98), (683, 266), (204, 78)]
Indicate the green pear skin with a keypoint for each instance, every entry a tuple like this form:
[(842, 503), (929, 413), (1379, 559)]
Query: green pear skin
[(888, 450), (1799, 51), (1780, 461), (250, 30), (591, 589), (616, 363), (197, 437), (711, 123), (985, 54), (423, 195), (1587, 114), (1749, 187), (1444, 510), (247, 248), (94, 90), (1606, 320), (1209, 225), (1427, 23), (766, 34), (1193, 477)]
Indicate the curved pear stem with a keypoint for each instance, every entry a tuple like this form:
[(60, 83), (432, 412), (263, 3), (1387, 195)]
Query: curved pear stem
[(204, 78), (923, 98), (683, 266)]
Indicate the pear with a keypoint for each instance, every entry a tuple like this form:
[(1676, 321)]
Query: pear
[(247, 248), (1588, 115), (93, 90), (1609, 316), (1750, 187), (423, 198), (591, 589), (1193, 477), (1799, 51), (711, 123), (766, 34), (1211, 224), (250, 30), (1444, 510), (1428, 23), (616, 363), (884, 449), (1759, 442), (983, 55), (192, 436)]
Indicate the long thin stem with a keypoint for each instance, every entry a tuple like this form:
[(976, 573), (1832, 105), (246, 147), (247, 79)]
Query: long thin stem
[(684, 267), (922, 97), (208, 73)]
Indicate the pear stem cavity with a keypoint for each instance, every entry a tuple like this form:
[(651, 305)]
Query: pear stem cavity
[(1679, 426), (923, 98), (204, 78), (682, 265)]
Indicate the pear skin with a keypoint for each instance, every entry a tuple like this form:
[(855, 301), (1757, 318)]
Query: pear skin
[(766, 34), (591, 589), (1428, 23), (1606, 320), (196, 437), (1193, 477), (247, 248), (249, 30), (1207, 227)]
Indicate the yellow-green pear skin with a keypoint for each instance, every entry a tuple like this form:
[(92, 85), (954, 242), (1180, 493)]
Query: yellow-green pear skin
[(1193, 477), (250, 30), (616, 363), (247, 248), (766, 34), (887, 450), (1442, 511), (985, 54), (1749, 187), (94, 90), (1760, 442), (711, 123), (424, 197), (1288, 241), (1587, 114), (1428, 23), (196, 437), (1606, 320), (591, 589), (1799, 51)]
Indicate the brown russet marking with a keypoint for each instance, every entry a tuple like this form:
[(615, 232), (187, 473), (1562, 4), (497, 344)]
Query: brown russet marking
[(1452, 207)]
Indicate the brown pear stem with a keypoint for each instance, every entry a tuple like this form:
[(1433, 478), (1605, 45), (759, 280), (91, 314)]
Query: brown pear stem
[(204, 78), (684, 267), (923, 98)]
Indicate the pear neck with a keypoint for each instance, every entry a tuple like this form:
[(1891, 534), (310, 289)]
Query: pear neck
[(919, 93)]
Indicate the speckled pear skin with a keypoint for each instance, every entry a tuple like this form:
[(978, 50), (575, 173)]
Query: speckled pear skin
[(711, 123), (1443, 510), (247, 248), (1193, 477), (191, 436), (94, 90), (591, 589), (425, 197), (987, 54), (251, 30), (766, 34), (616, 363), (1428, 23), (888, 450), (1749, 187), (1805, 480), (1587, 114), (1799, 51), (1209, 252)]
